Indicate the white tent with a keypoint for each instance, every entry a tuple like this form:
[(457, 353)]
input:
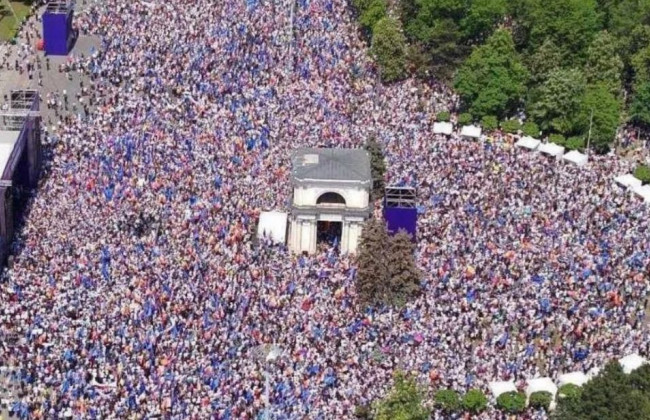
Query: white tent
[(631, 362), (593, 372), (643, 192), (541, 384), (576, 157), (528, 143), (576, 378), (628, 181), (273, 224), (471, 131), (551, 149), (443, 128), (498, 388)]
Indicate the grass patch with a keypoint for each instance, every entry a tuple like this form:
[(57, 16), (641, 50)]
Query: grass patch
[(8, 23)]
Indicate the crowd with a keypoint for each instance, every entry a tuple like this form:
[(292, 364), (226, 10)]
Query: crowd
[(136, 289)]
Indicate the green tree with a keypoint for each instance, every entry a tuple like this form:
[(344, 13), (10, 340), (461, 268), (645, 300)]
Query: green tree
[(640, 105), (405, 277), (530, 129), (642, 172), (558, 139), (481, 19), (448, 400), (610, 395), (604, 65), (474, 401), (512, 402), (575, 143), (543, 61), (555, 103), (640, 66), (465, 119), (404, 402), (443, 116), (570, 24), (437, 48), (373, 276), (377, 166), (570, 391), (511, 126), (540, 399), (606, 111), (489, 123), (492, 81), (389, 49), (373, 13)]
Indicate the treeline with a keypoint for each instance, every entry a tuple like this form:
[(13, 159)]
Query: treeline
[(568, 65)]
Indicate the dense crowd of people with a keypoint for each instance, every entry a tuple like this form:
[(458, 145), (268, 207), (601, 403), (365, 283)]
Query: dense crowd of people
[(136, 288)]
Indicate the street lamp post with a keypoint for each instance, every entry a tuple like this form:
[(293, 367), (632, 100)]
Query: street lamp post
[(267, 354)]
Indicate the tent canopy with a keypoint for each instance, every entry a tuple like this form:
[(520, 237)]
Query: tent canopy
[(628, 180), (443, 128), (541, 384), (528, 142), (471, 131), (643, 192), (576, 378), (498, 388), (576, 157), (631, 362), (273, 224), (551, 149)]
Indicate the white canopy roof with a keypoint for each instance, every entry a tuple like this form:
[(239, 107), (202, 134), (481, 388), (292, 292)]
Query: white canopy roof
[(273, 224), (528, 143), (471, 131), (631, 362), (593, 372), (443, 128), (576, 378), (498, 388), (628, 180), (541, 384), (643, 192), (551, 149), (576, 157)]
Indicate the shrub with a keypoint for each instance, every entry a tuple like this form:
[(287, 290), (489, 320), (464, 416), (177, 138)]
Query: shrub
[(465, 118), (511, 126), (575, 143), (474, 401), (489, 123), (557, 139), (540, 399), (642, 172), (530, 129), (443, 116), (448, 400), (373, 13), (363, 412), (569, 391), (512, 402)]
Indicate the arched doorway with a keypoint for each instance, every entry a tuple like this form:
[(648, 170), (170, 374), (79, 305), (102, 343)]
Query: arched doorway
[(330, 198)]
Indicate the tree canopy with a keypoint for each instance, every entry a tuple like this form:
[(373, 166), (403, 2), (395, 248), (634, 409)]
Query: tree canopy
[(404, 401)]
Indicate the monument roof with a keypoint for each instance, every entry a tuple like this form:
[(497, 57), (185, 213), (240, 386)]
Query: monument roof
[(331, 164)]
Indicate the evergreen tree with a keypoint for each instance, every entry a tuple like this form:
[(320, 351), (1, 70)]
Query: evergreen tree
[(404, 275), (373, 276), (389, 49), (377, 166), (492, 81)]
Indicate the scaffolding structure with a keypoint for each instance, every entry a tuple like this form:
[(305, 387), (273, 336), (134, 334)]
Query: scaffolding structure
[(402, 197), (59, 6)]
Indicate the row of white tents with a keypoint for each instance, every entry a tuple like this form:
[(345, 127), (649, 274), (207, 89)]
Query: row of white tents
[(629, 363)]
